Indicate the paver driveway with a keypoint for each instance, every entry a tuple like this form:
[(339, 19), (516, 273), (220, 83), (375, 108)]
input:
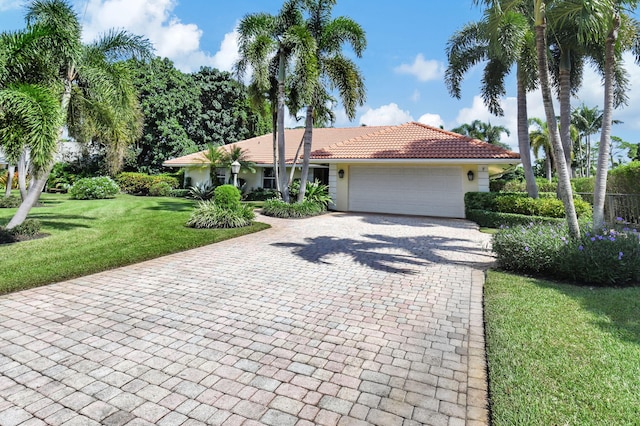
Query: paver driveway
[(338, 319)]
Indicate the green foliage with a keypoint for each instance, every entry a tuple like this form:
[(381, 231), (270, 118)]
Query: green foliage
[(26, 230), (227, 196), (585, 184), (521, 186), (94, 188), (261, 194), (604, 257), (316, 192), (624, 179), (491, 219), (184, 113), (282, 209), (160, 189), (179, 193), (10, 202), (543, 206), (141, 183), (4, 176), (209, 214), (201, 192)]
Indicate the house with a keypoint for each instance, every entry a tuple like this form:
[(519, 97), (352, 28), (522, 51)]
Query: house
[(411, 168)]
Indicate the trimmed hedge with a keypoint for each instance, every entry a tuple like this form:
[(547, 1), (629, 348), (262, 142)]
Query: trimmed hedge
[(141, 183), (95, 188), (490, 219), (282, 209), (624, 179)]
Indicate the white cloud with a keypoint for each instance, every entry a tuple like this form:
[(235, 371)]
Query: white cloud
[(11, 4), (155, 20), (423, 70), (431, 120), (386, 115), (415, 97)]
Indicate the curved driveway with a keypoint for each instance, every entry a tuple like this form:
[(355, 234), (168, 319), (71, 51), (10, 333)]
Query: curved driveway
[(340, 319)]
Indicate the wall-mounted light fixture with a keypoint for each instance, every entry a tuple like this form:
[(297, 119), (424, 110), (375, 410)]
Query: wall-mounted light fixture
[(470, 175), (341, 173)]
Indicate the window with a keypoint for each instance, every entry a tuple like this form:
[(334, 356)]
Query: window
[(221, 176), (268, 178)]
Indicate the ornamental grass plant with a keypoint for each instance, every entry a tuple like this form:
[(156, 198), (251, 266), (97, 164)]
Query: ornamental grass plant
[(607, 256)]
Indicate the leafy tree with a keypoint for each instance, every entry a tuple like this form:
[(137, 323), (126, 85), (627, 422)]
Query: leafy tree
[(335, 71), (269, 45), (588, 121), (89, 76), (484, 132), (539, 139)]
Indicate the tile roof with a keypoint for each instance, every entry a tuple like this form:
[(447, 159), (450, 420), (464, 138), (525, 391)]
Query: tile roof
[(412, 141), (406, 141)]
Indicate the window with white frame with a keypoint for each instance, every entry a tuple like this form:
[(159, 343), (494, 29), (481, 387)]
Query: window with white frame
[(268, 178)]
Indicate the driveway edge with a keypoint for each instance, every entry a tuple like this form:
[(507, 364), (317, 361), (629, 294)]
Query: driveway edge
[(477, 397)]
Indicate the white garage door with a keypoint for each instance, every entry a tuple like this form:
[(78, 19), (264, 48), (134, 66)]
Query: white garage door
[(425, 191)]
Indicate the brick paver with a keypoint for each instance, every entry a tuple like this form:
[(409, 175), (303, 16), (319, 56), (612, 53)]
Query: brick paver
[(340, 319)]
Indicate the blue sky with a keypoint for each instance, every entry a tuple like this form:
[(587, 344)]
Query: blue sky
[(403, 64)]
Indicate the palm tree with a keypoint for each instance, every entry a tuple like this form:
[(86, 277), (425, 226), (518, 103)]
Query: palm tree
[(87, 75), (268, 44), (588, 121), (335, 71), (564, 183), (502, 38), (484, 132), (539, 138)]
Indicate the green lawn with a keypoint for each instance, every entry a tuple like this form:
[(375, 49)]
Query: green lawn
[(92, 236), (560, 354)]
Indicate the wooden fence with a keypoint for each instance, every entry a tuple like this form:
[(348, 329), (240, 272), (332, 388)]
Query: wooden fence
[(625, 206)]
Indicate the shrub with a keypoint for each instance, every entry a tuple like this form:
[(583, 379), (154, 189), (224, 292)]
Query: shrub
[(29, 228), (141, 183), (315, 192), (210, 215), (227, 196), (491, 219), (94, 188), (585, 184), (202, 192), (160, 189), (605, 257), (4, 176), (10, 202), (521, 186), (179, 193), (261, 194), (543, 206), (624, 179), (279, 208)]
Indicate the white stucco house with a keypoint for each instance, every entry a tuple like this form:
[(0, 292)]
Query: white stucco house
[(411, 168)]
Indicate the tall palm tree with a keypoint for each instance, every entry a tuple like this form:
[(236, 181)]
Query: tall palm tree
[(588, 121), (502, 38), (564, 183), (335, 71), (91, 74), (268, 44)]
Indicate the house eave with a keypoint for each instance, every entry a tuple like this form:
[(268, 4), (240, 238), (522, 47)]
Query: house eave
[(418, 160)]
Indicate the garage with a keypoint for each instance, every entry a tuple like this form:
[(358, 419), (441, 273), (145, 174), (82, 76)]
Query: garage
[(411, 190)]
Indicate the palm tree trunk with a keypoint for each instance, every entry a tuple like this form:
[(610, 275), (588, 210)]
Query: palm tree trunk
[(565, 107), (548, 170), (284, 185), (22, 175), (11, 169), (295, 160), (600, 188), (523, 138), (564, 184), (308, 139), (588, 160), (276, 173)]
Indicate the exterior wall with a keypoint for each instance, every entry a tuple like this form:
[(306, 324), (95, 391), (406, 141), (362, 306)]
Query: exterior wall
[(483, 178), (198, 175)]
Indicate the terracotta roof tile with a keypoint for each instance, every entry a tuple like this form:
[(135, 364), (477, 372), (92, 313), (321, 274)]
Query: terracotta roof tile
[(406, 141)]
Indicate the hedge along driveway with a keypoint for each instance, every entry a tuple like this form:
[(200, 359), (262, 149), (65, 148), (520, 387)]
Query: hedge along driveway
[(91, 236)]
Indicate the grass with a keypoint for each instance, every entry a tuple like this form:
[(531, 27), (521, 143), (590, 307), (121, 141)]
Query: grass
[(92, 236), (488, 230), (560, 354)]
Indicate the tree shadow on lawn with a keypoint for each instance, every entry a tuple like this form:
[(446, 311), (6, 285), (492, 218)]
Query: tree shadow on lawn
[(380, 252), (172, 206), (61, 222), (618, 308)]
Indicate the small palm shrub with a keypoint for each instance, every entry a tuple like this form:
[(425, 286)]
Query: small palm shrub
[(10, 202), (202, 192), (94, 188), (227, 196), (160, 189), (317, 192), (208, 214), (279, 208), (610, 256)]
